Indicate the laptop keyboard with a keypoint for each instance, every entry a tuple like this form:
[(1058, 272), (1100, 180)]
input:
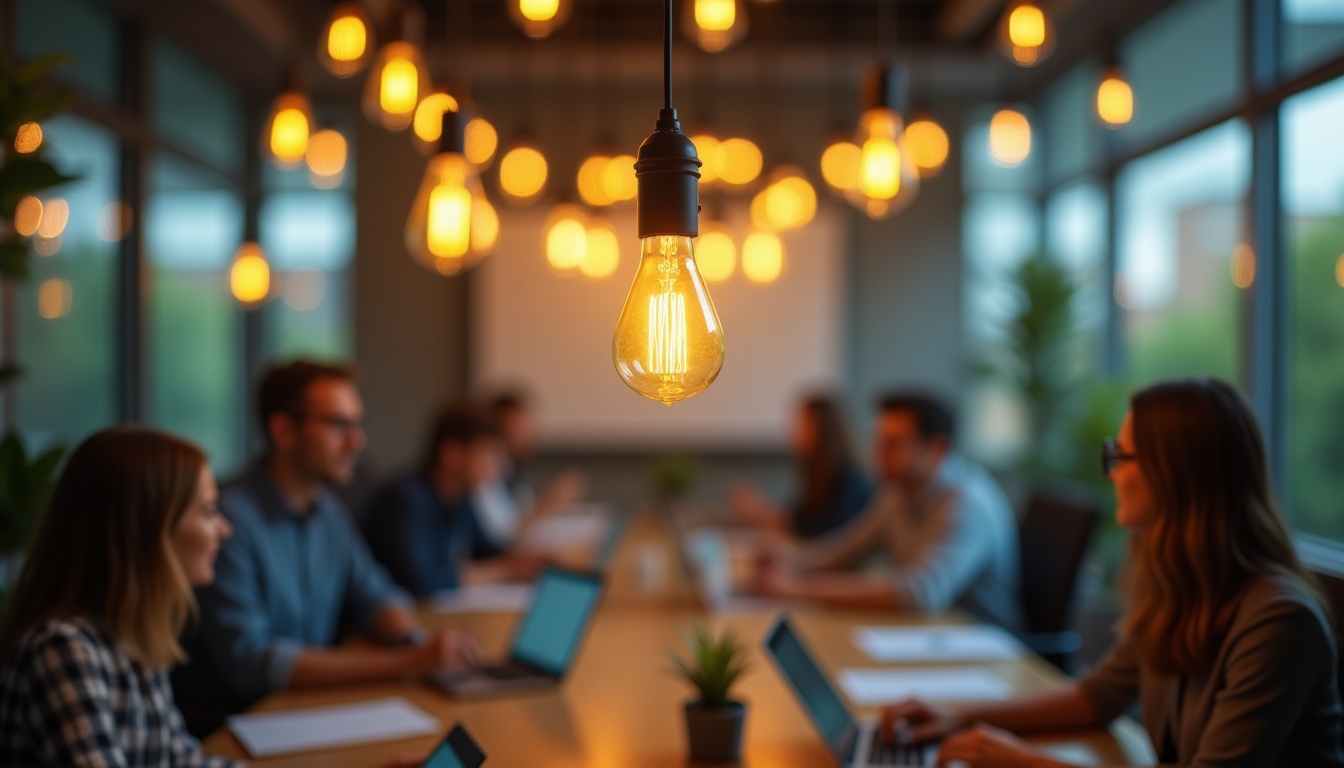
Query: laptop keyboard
[(506, 672), (882, 752)]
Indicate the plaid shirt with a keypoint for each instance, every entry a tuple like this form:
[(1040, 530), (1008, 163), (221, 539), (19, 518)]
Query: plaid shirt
[(70, 696)]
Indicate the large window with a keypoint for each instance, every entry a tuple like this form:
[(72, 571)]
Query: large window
[(84, 32), (1313, 201), (1313, 32)]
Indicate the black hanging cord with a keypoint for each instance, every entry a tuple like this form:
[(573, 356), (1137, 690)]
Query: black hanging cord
[(667, 54)]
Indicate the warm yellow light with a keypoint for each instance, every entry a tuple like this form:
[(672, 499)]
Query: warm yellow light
[(590, 184), (762, 257), (618, 178), (344, 47), (1115, 101), (880, 123), (1026, 26), (484, 225), (428, 120), (566, 237), (715, 252), (790, 202), (739, 161), (442, 228), (399, 92), (250, 276), (669, 343), (27, 215), (53, 299), (522, 173), (1243, 266), (603, 253), (538, 10), (715, 15), (927, 143), (396, 83), (880, 168), (326, 153), (28, 138), (288, 129), (54, 218), (448, 229), (480, 141), (840, 165), (1009, 137), (707, 149)]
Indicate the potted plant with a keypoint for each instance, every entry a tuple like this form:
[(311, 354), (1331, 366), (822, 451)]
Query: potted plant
[(714, 720)]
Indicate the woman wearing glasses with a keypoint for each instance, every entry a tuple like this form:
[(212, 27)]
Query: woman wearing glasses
[(1226, 645)]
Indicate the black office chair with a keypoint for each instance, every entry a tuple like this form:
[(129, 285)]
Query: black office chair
[(1053, 537)]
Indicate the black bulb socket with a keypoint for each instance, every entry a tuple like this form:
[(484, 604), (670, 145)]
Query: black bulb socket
[(668, 173), (886, 87), (454, 135)]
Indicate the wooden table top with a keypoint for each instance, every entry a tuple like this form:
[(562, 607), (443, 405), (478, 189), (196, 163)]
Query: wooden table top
[(620, 707)]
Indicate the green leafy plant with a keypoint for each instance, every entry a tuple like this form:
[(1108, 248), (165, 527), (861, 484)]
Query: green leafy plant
[(673, 476), (713, 665), (25, 486)]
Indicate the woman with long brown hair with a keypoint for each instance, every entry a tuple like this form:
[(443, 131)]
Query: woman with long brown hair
[(1226, 644), (93, 622), (833, 489)]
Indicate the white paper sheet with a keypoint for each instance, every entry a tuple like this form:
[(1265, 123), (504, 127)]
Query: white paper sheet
[(866, 687), (937, 644), (303, 730), (484, 598), (575, 526)]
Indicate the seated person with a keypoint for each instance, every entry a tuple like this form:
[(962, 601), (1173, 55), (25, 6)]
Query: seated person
[(505, 503), (942, 522), (92, 625), (1226, 646), (423, 528), (296, 568), (834, 489)]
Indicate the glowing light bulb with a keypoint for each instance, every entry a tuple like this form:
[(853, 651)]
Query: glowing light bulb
[(53, 299), (1026, 34), (618, 178), (539, 18), (739, 161), (762, 257), (880, 168), (603, 252), (27, 215), (1115, 100), (447, 229), (539, 10), (715, 25), (326, 155), (396, 82), (707, 148), (287, 129), (840, 165), (928, 146), (345, 45), (428, 120), (522, 174), (1009, 137), (669, 342), (54, 218), (566, 237), (590, 184), (716, 253), (250, 275), (481, 142), (1243, 266), (28, 138), (715, 15)]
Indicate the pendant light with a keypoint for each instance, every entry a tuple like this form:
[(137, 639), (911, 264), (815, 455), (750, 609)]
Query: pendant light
[(668, 344), (1115, 99), (398, 79), (427, 123), (589, 179), (451, 225), (522, 173), (1009, 137), (565, 237), (326, 156), (928, 145), (715, 252), (888, 180), (346, 44), (840, 164), (603, 253), (285, 137), (250, 276), (539, 18), (715, 25), (1026, 34)]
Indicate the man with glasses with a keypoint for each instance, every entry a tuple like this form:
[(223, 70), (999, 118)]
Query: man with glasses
[(947, 532), (296, 568)]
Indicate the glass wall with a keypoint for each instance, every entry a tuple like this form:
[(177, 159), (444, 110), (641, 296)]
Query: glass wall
[(86, 33), (1313, 32), (1313, 202)]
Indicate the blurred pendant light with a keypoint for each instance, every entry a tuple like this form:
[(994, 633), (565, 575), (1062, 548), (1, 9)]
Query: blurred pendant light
[(1009, 137), (347, 43), (250, 276), (522, 173), (427, 123), (482, 141), (787, 202), (1026, 34), (840, 164), (451, 225), (565, 237), (285, 138), (707, 149), (928, 145), (888, 180), (618, 179), (603, 253), (326, 156), (762, 257), (1115, 99), (738, 162), (398, 78), (668, 344), (716, 253), (714, 25), (589, 178), (539, 18)]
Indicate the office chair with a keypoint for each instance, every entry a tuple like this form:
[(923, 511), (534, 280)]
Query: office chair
[(1053, 537)]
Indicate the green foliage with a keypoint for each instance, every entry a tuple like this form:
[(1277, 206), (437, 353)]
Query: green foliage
[(673, 476), (25, 487), (714, 664)]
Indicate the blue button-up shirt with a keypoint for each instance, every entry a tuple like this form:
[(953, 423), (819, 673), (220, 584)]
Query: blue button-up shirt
[(283, 582)]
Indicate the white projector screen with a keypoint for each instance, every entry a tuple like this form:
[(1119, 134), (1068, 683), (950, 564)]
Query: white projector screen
[(550, 335)]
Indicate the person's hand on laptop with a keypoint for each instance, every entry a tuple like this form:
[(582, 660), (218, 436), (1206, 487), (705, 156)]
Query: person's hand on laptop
[(984, 746), (913, 721), (446, 649)]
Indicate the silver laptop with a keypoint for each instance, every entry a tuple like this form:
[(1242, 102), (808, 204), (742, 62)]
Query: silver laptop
[(545, 643), (853, 743)]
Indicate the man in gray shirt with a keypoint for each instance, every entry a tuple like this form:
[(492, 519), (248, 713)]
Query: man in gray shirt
[(945, 527)]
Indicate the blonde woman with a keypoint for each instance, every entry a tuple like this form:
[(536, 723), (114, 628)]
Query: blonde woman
[(1226, 645), (93, 621)]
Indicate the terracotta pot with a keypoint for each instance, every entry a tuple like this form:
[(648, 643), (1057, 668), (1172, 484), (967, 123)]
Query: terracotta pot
[(715, 733)]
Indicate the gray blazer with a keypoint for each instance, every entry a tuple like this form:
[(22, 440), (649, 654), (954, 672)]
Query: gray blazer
[(1270, 698)]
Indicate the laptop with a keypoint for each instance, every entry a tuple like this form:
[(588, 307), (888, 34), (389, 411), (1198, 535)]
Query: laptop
[(457, 750), (620, 519), (853, 743), (544, 644)]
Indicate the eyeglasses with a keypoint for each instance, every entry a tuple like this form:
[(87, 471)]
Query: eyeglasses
[(333, 423), (1112, 455)]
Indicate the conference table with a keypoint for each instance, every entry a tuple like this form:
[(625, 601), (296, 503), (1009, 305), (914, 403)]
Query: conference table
[(621, 706)]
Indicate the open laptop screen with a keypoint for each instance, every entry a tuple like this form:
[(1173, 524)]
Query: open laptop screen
[(820, 700), (555, 623)]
